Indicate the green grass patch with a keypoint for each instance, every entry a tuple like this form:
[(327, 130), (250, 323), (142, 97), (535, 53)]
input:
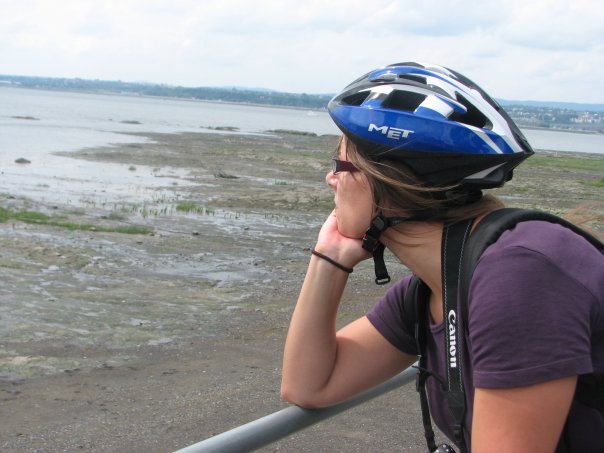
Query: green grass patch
[(30, 217), (39, 218), (130, 229), (114, 216), (571, 163), (599, 183), (191, 206), (187, 206)]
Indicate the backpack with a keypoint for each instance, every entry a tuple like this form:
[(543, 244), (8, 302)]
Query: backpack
[(590, 388)]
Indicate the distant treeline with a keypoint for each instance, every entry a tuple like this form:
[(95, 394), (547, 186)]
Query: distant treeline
[(265, 97)]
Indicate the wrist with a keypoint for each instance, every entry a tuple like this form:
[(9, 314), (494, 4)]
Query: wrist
[(332, 261)]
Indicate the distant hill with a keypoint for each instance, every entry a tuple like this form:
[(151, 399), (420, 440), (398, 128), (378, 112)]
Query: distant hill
[(580, 107), (264, 96), (221, 94)]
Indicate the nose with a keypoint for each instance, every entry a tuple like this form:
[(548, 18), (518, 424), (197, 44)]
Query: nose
[(331, 180)]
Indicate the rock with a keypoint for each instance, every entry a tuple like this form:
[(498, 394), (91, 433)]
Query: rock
[(22, 160)]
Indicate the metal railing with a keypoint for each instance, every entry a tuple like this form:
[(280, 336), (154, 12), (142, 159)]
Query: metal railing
[(280, 424)]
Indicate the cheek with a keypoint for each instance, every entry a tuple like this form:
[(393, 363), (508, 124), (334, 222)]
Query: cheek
[(365, 199), (355, 210)]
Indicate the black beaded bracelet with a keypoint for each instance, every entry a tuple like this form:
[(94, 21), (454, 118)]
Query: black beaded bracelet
[(329, 260)]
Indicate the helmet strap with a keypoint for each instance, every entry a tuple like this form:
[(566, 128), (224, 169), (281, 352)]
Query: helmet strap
[(381, 273), (371, 240), (371, 243)]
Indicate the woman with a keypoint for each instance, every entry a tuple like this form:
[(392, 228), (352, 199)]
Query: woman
[(420, 142)]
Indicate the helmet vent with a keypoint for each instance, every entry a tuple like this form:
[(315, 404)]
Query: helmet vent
[(473, 116), (404, 100), (356, 99), (414, 78)]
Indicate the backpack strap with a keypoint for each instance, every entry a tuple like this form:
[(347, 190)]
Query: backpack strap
[(590, 391), (415, 306), (454, 241)]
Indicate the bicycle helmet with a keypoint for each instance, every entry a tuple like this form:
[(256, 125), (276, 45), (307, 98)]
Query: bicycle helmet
[(433, 119)]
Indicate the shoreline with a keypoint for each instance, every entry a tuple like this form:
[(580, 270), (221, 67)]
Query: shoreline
[(252, 104), (169, 98), (569, 130)]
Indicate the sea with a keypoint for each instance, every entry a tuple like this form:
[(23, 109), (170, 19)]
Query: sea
[(37, 122)]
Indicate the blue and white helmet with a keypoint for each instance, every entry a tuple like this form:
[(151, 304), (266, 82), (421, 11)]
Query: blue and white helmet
[(439, 123)]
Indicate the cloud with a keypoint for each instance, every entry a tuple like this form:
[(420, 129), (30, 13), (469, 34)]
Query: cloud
[(445, 18), (557, 25), (513, 48)]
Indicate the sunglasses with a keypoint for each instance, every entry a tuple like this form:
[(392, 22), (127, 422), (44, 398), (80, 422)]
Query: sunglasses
[(338, 165)]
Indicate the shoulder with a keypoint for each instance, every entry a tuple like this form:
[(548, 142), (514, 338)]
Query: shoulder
[(541, 250), (536, 264), (535, 301), (540, 235)]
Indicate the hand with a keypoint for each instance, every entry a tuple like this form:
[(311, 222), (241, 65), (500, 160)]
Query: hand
[(346, 251)]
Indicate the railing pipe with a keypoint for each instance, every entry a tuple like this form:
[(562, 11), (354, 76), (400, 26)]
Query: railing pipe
[(277, 425)]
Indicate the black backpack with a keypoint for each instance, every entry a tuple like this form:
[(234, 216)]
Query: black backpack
[(590, 388)]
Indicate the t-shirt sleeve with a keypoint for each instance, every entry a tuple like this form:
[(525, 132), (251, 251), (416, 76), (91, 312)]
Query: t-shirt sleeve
[(388, 314), (529, 316)]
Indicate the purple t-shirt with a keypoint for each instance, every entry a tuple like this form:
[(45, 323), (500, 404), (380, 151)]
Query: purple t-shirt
[(536, 313)]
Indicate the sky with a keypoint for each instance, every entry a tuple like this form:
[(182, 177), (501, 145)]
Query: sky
[(544, 50)]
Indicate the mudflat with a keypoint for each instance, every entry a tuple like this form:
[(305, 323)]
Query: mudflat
[(147, 311)]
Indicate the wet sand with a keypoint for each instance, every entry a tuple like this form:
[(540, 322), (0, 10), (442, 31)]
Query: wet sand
[(150, 342)]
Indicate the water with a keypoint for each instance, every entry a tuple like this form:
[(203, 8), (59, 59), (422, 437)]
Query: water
[(36, 123), (69, 121), (565, 141)]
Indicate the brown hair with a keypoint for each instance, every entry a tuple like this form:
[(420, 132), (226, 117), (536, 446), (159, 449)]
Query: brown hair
[(398, 190)]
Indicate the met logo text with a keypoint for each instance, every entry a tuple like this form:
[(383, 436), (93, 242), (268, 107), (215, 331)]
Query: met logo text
[(391, 132)]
